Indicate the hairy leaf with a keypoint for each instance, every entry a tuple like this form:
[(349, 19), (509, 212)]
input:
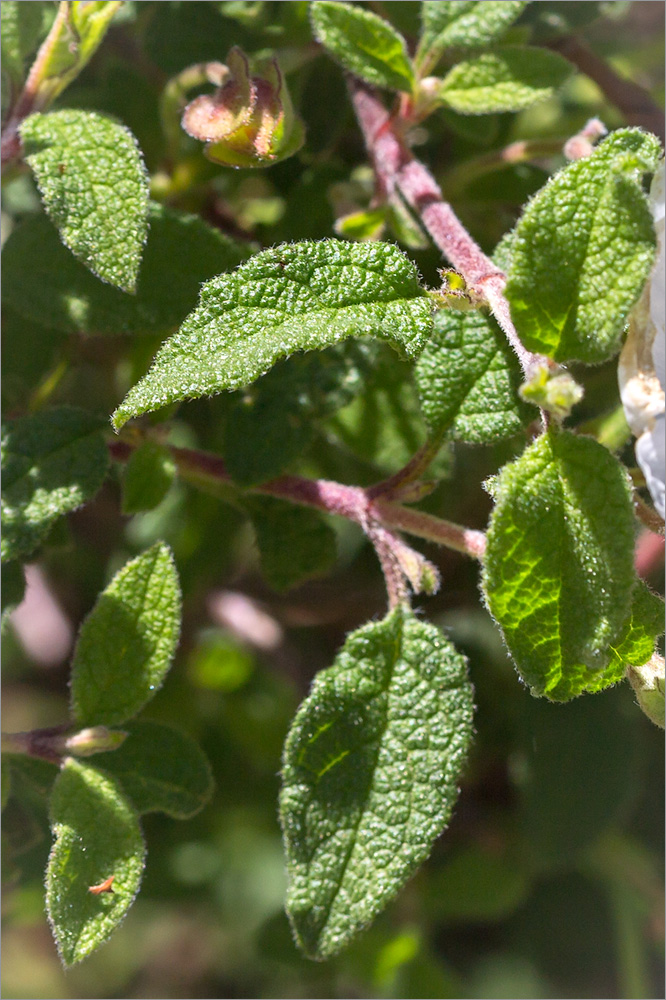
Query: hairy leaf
[(468, 379), (46, 284), (370, 774), (52, 462), (508, 79), (583, 250), (558, 569), (94, 186), (97, 837), (160, 770), (295, 297), (365, 44), (127, 642), (463, 25), (645, 625), (295, 543)]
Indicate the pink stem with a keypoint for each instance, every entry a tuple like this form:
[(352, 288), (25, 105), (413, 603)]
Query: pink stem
[(399, 172)]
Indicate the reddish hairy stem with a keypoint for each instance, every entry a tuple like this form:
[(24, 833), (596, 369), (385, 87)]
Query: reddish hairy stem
[(352, 502), (398, 172)]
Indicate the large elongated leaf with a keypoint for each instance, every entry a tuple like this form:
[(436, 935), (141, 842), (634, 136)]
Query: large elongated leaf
[(294, 543), (291, 298), (511, 78), (97, 837), (52, 462), (558, 569), (45, 283), (365, 44), (127, 641), (371, 767), (468, 379), (583, 250), (94, 186)]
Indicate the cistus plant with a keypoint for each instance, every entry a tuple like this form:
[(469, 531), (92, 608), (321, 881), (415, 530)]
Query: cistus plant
[(295, 330)]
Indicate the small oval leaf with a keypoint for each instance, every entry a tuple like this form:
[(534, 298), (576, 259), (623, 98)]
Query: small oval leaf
[(97, 837), (127, 642), (94, 186)]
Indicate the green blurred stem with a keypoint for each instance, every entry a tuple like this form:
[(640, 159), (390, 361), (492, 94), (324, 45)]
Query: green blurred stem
[(523, 151)]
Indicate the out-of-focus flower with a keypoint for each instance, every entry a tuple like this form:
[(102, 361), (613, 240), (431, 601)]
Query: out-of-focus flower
[(641, 370), (249, 121)]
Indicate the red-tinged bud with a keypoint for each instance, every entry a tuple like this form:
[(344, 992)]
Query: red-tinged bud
[(249, 121)]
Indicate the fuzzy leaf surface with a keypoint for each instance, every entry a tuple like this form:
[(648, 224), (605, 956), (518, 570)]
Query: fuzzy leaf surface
[(52, 462), (295, 543), (558, 569), (295, 297), (160, 770), (46, 284), (468, 379), (463, 25), (273, 422), (97, 835), (509, 79), (583, 250), (94, 186), (371, 767), (127, 642), (365, 44), (645, 625)]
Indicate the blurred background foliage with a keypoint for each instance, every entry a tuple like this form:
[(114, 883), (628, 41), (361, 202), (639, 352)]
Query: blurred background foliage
[(548, 882)]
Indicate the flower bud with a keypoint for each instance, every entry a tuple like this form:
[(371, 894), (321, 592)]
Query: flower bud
[(556, 392), (249, 121)]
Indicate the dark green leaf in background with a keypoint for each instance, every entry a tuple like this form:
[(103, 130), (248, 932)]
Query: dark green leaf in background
[(273, 422), (295, 297), (160, 770), (97, 836), (94, 186), (52, 462), (295, 543), (127, 642), (558, 569), (43, 282), (511, 78), (370, 775), (583, 250), (365, 44), (149, 473), (468, 379)]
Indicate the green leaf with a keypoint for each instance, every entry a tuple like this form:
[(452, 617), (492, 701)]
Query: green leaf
[(127, 642), (94, 186), (97, 836), (475, 886), (273, 422), (462, 25), (558, 569), (370, 774), (295, 297), (643, 628), (52, 462), (13, 586), (74, 37), (161, 770), (46, 284), (23, 25), (365, 44), (508, 79), (149, 473), (468, 379), (295, 543), (583, 250)]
